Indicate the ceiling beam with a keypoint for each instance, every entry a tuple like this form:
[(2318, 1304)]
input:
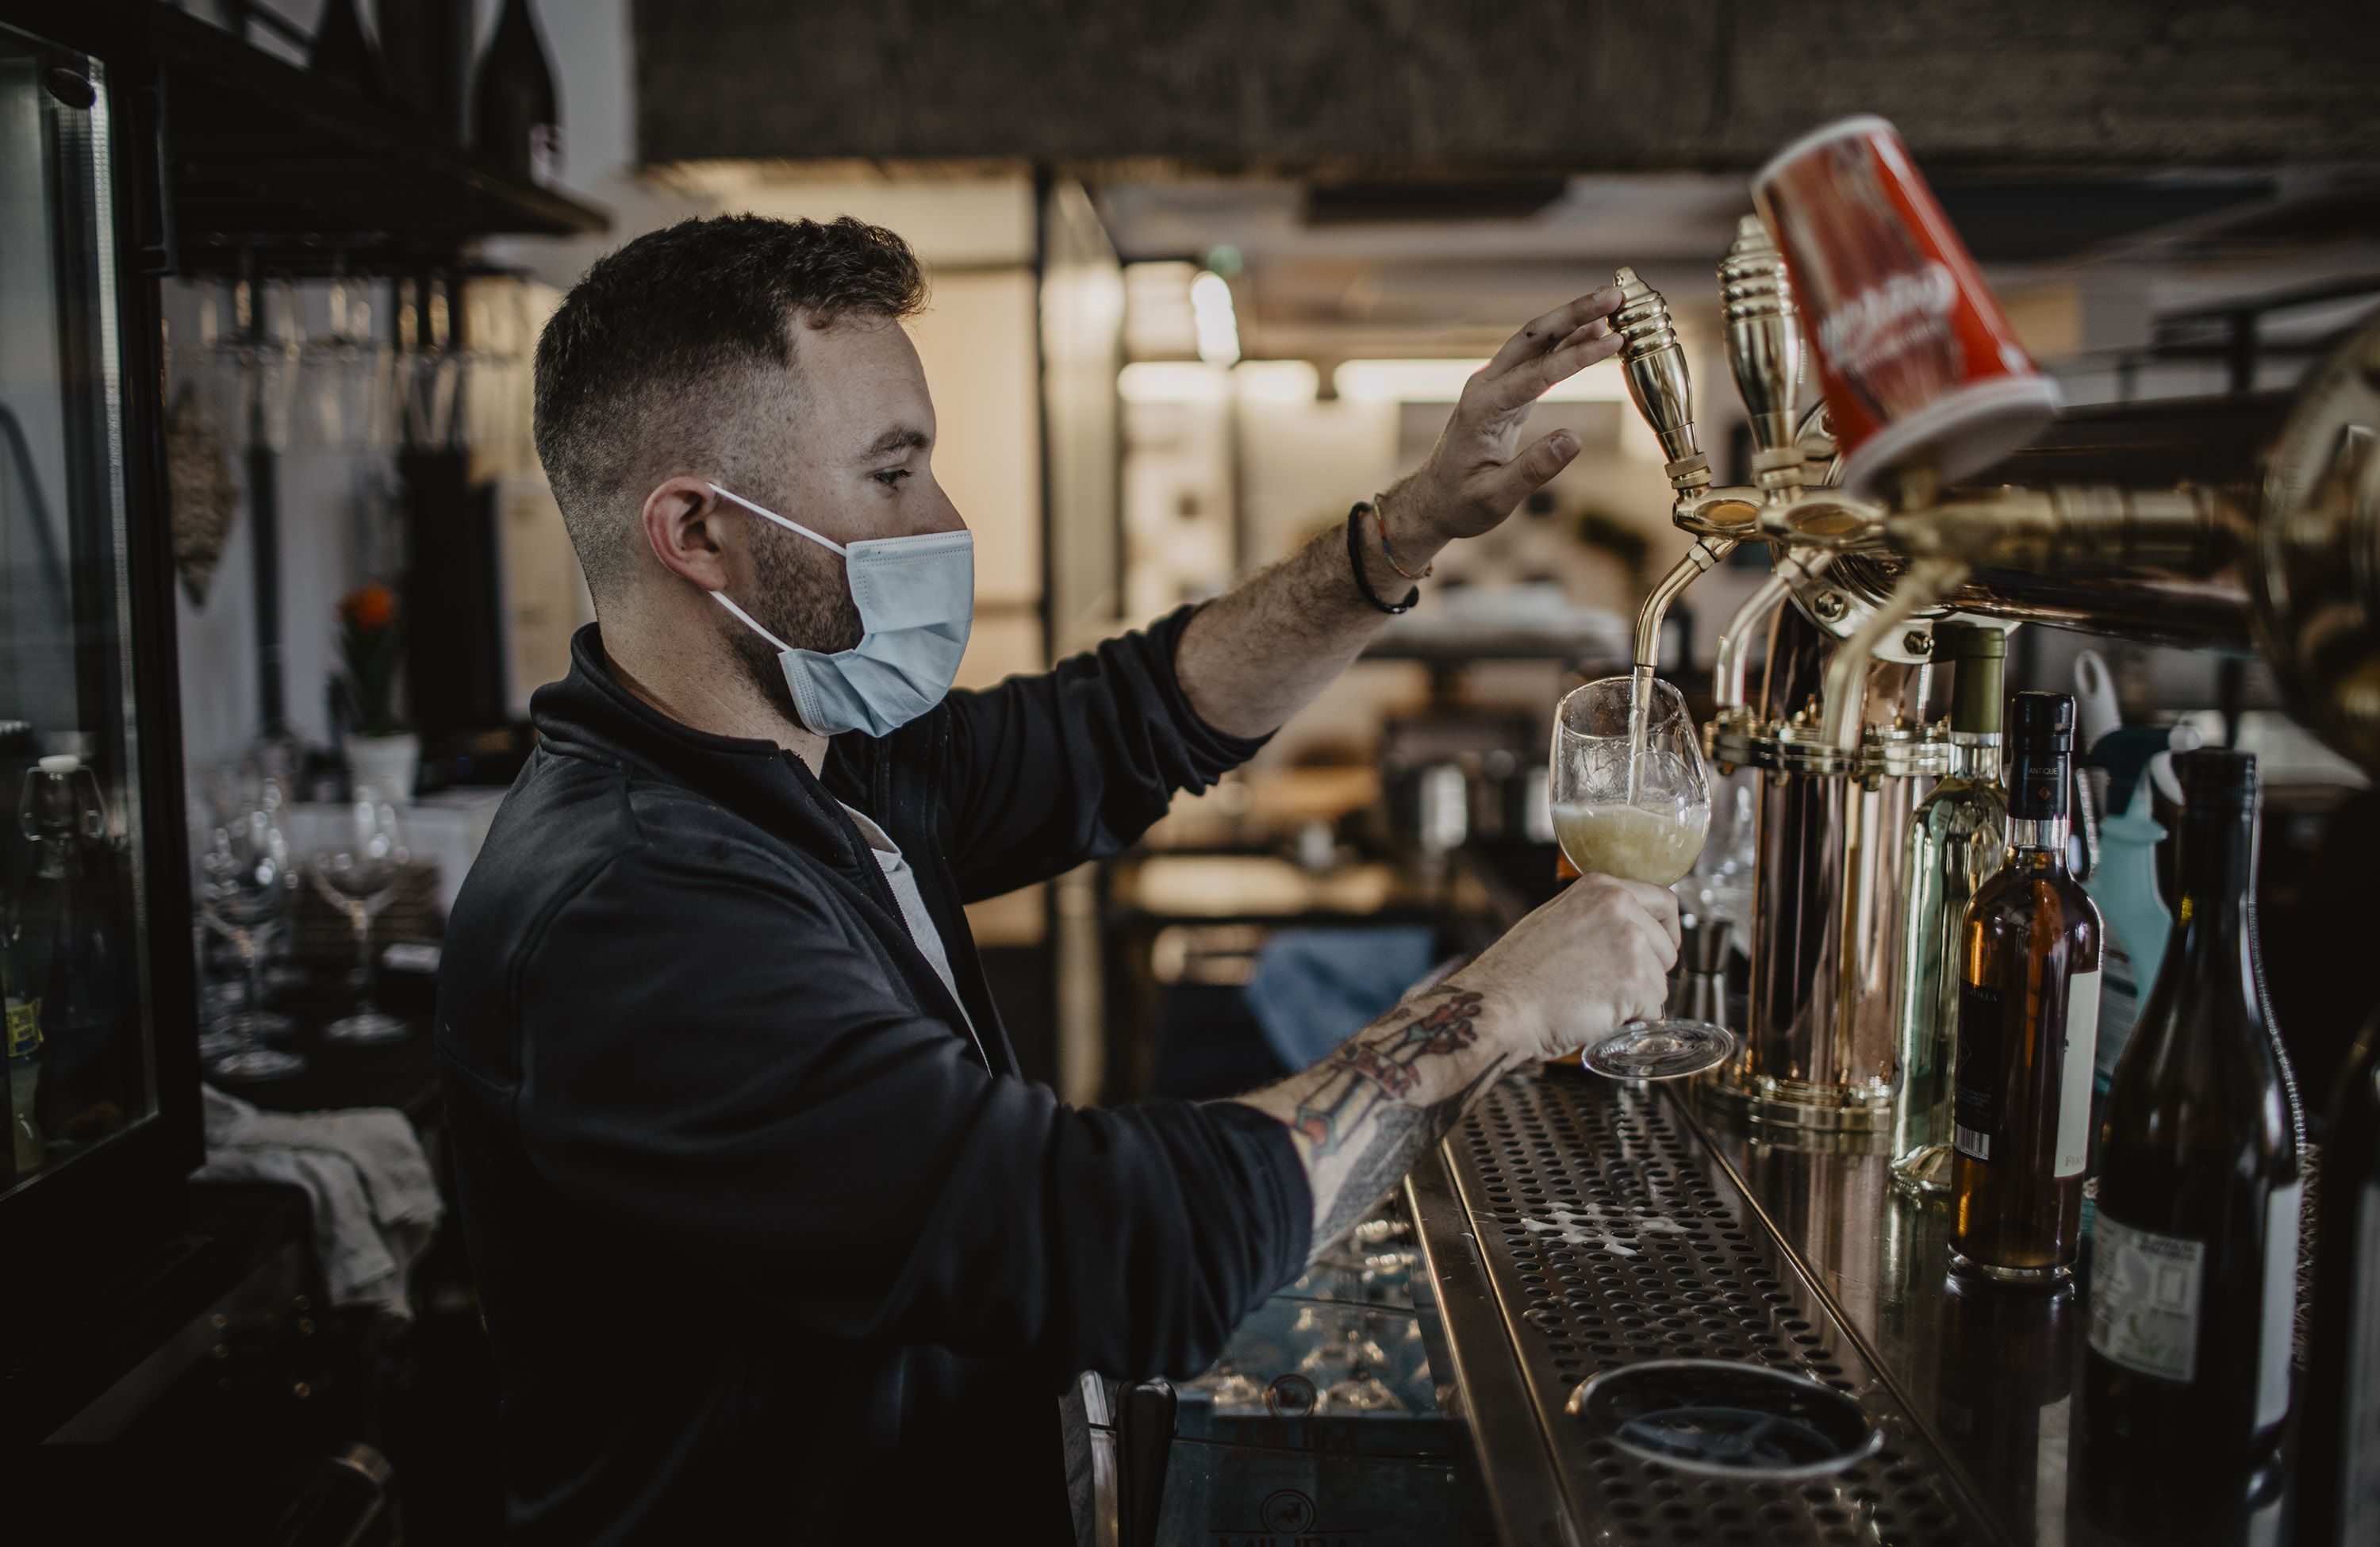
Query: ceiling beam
[(1569, 85)]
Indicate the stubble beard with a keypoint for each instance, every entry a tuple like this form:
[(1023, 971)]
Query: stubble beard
[(804, 598)]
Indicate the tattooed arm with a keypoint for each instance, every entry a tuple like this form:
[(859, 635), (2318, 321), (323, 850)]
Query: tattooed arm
[(1563, 977)]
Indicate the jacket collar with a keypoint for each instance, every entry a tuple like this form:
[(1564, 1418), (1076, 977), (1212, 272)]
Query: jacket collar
[(590, 714)]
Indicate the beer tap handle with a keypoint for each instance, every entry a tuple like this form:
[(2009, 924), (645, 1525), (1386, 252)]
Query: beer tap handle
[(1655, 366), (1764, 351)]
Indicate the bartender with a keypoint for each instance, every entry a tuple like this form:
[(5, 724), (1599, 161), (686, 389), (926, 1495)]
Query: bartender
[(773, 1240)]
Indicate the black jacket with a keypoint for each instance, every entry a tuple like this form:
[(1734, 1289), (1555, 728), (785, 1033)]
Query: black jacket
[(762, 1242)]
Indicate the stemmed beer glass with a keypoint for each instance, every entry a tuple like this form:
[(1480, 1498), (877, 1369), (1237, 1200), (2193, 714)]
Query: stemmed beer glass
[(1631, 798), (359, 874)]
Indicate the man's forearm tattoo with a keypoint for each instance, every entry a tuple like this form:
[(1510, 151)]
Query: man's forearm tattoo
[(1360, 1106), (1365, 1073)]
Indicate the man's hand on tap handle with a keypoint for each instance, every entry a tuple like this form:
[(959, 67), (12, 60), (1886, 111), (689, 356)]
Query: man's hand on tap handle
[(1478, 474)]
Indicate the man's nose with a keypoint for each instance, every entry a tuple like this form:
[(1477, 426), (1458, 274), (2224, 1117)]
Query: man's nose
[(938, 516)]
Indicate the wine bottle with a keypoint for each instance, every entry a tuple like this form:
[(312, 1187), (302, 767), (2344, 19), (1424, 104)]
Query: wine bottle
[(2004, 1391), (2192, 1296), (2337, 1494), (1956, 841), (516, 117), (342, 52), (2028, 1020)]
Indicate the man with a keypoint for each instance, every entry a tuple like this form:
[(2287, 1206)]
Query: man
[(772, 1240)]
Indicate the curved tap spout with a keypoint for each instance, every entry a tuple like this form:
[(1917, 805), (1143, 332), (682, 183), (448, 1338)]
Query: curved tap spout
[(1846, 691), (1655, 366), (1735, 643), (1706, 553)]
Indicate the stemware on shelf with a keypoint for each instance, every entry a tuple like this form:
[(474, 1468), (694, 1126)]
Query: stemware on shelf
[(242, 872), (359, 874)]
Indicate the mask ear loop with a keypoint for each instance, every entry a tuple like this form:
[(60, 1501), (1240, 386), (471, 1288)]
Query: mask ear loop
[(787, 522), (749, 621)]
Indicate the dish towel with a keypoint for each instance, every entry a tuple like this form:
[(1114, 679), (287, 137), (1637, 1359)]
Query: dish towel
[(1314, 987), (375, 1204)]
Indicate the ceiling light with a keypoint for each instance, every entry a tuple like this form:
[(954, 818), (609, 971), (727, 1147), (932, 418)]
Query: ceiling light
[(1211, 312), (1172, 380)]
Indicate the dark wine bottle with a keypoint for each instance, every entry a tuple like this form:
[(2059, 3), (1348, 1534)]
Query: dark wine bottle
[(2336, 1499), (516, 117), (2028, 1022), (342, 52), (425, 55), (2193, 1295), (2004, 1387)]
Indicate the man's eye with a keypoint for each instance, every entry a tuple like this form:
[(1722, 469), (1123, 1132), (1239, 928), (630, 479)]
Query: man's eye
[(891, 478)]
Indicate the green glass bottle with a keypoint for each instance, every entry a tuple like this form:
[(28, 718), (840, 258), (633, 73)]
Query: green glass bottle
[(1956, 841)]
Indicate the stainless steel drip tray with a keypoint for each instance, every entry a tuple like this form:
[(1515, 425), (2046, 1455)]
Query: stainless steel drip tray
[(1576, 1228)]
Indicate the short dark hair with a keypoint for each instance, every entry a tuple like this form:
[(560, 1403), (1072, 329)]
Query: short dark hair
[(648, 352)]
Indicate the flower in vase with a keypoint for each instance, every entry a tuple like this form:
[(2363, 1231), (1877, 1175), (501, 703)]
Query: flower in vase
[(371, 635)]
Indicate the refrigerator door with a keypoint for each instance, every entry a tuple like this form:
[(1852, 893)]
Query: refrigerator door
[(77, 860)]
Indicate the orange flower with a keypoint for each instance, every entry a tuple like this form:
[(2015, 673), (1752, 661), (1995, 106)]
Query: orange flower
[(367, 609)]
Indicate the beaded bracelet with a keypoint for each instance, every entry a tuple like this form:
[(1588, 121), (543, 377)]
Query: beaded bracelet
[(1355, 563), (1380, 521)]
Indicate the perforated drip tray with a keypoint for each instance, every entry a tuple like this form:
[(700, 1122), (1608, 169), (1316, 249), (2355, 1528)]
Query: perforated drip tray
[(1603, 1238)]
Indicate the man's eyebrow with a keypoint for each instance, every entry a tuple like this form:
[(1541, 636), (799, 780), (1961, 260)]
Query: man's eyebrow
[(900, 438)]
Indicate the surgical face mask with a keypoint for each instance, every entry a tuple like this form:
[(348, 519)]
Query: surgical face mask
[(917, 601)]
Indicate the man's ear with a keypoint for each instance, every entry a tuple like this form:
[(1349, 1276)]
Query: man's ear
[(682, 526)]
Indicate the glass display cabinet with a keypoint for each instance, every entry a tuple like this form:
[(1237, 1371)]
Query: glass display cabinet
[(104, 1112)]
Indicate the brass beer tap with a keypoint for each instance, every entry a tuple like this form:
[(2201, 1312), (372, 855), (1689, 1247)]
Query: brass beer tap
[(1655, 366)]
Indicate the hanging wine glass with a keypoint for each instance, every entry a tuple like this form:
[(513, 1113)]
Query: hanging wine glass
[(490, 391), (253, 361), (343, 374), (428, 369)]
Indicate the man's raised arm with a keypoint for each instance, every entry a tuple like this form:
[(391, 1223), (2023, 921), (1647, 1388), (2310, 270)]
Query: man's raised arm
[(1259, 652)]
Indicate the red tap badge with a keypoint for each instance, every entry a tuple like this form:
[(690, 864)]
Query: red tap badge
[(1917, 361)]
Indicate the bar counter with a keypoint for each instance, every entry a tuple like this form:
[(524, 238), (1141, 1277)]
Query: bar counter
[(1574, 1224)]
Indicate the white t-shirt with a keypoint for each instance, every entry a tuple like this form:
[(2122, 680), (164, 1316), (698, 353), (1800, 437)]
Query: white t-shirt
[(904, 882)]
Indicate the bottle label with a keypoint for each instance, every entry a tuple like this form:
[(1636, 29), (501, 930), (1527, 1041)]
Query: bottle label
[(2280, 1307), (2080, 1055), (2145, 1290), (545, 155), (2358, 1503), (1977, 1097), (24, 1028)]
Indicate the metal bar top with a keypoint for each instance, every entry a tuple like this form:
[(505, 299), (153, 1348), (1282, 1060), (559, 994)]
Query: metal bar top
[(1572, 1225)]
